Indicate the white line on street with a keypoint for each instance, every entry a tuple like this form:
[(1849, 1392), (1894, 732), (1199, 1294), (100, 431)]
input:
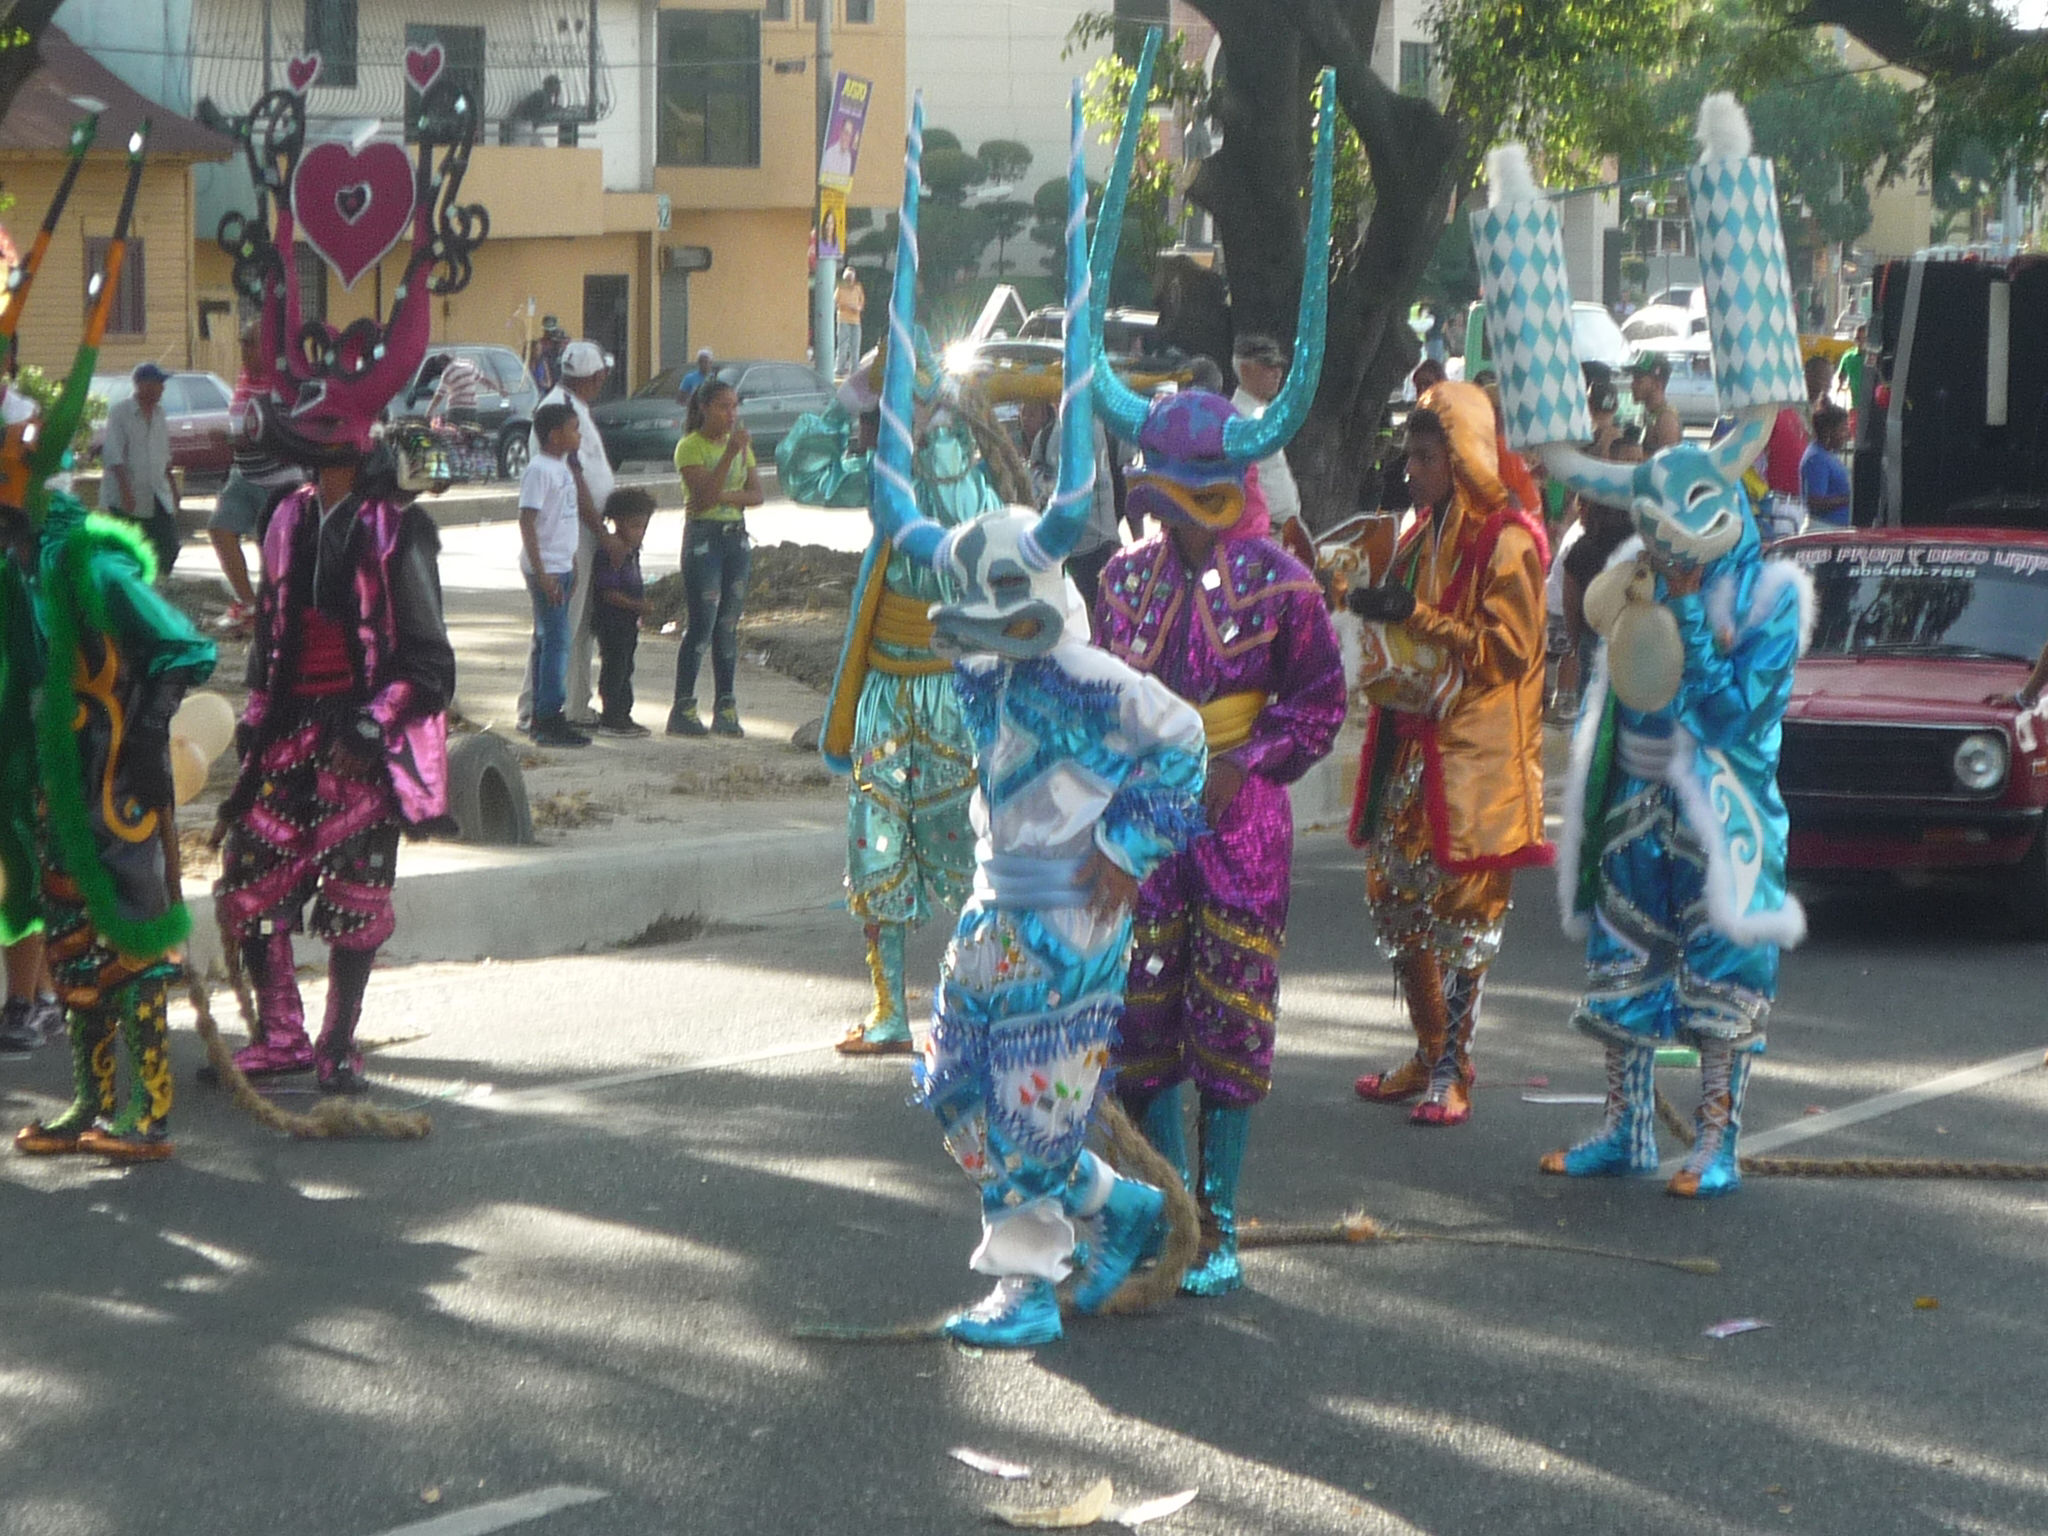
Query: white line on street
[(1890, 1103), (499, 1513)]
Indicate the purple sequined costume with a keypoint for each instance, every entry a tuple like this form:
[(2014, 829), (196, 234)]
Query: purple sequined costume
[(1210, 921)]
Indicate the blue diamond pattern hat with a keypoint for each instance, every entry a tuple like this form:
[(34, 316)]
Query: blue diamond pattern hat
[(1519, 244), (1750, 315)]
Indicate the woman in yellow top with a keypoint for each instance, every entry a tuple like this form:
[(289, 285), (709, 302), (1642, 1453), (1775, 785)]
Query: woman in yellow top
[(716, 460)]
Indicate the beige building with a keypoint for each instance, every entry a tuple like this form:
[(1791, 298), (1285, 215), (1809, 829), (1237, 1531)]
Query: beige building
[(153, 315)]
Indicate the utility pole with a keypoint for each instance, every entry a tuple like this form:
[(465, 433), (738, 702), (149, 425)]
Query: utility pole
[(826, 275), (268, 44)]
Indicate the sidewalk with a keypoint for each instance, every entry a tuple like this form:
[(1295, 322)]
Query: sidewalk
[(631, 836)]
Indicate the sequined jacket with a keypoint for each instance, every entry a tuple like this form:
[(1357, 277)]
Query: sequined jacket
[(1251, 620), (380, 581)]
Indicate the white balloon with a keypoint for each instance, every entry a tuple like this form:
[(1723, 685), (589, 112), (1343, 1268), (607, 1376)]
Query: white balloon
[(189, 764), (206, 719)]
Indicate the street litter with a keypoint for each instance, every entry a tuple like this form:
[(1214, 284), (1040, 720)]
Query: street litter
[(1927, 1303), (1086, 1510), (1564, 1098), (1733, 1326), (994, 1466), (1135, 1515)]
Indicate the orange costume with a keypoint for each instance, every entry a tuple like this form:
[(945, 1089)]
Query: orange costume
[(1449, 807)]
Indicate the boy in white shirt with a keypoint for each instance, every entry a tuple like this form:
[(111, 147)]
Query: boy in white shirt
[(547, 534)]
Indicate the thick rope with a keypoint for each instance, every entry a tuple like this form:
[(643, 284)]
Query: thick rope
[(1857, 1167), (1130, 1153)]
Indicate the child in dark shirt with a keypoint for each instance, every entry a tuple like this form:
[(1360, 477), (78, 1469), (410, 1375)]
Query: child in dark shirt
[(615, 618)]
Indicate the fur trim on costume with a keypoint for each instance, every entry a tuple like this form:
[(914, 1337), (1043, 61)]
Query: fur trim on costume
[(1350, 646), (1508, 177), (1773, 577), (70, 598), (1785, 927), (1723, 132)]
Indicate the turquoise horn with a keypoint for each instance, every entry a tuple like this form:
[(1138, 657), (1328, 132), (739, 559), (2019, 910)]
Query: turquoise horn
[(894, 503), (1061, 527), (1250, 439), (1120, 405)]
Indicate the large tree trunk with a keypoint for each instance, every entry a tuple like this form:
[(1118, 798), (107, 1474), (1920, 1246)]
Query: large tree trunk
[(1252, 186)]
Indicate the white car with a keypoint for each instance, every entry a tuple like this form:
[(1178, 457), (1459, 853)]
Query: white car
[(1655, 322)]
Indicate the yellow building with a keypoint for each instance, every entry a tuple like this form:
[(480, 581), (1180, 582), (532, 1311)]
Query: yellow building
[(735, 154), (153, 314)]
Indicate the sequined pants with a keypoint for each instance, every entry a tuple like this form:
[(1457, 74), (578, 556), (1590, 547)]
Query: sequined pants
[(1655, 968), (1205, 971), (89, 971), (909, 846), (316, 833), (1417, 905)]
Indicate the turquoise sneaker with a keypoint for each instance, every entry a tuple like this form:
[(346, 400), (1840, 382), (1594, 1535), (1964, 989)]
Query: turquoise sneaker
[(1020, 1312)]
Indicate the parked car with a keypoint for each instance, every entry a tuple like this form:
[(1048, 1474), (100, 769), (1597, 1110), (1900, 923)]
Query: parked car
[(648, 423), (1896, 758), (1125, 332), (1654, 322), (1691, 386), (505, 401), (196, 406), (1598, 338), (1012, 371)]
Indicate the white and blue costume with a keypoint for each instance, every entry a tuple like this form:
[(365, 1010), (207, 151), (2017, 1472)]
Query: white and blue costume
[(1081, 764), (1672, 857)]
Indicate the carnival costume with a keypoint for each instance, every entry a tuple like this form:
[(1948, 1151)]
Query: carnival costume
[(119, 661), (1081, 764), (1673, 866), (892, 718), (1241, 633), (1450, 791), (344, 738)]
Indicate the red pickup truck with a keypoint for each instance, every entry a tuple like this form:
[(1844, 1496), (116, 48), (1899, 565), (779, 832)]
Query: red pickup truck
[(1903, 751)]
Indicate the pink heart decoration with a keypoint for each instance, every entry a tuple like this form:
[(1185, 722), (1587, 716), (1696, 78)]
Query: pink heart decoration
[(423, 66), (302, 71), (353, 206)]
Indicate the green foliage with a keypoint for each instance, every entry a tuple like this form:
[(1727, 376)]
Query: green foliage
[(43, 388), (1006, 220), (1004, 160), (948, 173), (940, 138)]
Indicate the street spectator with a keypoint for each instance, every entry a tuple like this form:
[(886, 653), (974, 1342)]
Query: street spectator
[(619, 606), (1602, 401), (1784, 511), (456, 392), (1261, 368), (256, 484), (1427, 375), (706, 368), (716, 462), (1849, 373), (1648, 376), (1823, 477), (584, 371), (549, 493), (849, 299), (544, 357), (137, 460), (1604, 530)]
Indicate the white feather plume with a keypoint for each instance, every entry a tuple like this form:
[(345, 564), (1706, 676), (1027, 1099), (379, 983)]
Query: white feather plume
[(1724, 129), (1508, 177)]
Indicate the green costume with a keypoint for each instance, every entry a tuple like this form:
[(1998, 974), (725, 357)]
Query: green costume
[(893, 720), (20, 671)]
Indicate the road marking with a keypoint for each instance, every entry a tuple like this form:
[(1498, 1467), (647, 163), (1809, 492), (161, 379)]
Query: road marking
[(500, 1513), (1810, 1126)]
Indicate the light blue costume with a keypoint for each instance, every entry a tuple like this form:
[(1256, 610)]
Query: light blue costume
[(1079, 761), (893, 720), (1672, 857)]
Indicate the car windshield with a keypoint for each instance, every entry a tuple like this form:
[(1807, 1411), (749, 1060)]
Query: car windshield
[(1931, 599), (661, 386)]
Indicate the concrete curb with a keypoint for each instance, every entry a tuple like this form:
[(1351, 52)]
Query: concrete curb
[(473, 903)]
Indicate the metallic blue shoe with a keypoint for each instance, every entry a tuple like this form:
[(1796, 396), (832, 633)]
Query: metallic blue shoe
[(1020, 1312), (1218, 1273), (1627, 1141), (1713, 1169), (1126, 1227)]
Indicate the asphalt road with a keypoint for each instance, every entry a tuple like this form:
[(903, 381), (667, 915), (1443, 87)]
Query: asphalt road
[(647, 1169)]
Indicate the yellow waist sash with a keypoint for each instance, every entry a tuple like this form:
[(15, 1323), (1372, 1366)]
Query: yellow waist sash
[(901, 621), (1228, 721)]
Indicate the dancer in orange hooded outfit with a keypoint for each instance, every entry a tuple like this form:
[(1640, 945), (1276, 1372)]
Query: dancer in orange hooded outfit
[(1450, 803)]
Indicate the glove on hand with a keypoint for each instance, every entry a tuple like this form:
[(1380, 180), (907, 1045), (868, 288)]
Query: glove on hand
[(1388, 604)]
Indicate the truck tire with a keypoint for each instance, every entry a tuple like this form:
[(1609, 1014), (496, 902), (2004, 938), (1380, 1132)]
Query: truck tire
[(487, 792)]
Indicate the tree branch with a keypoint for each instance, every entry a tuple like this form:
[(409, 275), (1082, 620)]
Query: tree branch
[(1927, 38)]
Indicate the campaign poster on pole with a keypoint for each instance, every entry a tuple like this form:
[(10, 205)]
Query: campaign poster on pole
[(831, 223), (843, 127)]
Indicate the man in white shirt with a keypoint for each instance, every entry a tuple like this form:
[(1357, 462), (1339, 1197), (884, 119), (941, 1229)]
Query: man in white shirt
[(1261, 369), (137, 460), (584, 371)]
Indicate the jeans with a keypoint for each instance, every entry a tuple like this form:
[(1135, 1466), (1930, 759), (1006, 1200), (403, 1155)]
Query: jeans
[(716, 558), (845, 347), (549, 658), (159, 525), (618, 634)]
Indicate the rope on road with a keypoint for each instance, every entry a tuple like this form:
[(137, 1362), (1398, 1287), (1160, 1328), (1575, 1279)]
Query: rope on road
[(1857, 1167), (1360, 1228), (330, 1119), (1130, 1153)]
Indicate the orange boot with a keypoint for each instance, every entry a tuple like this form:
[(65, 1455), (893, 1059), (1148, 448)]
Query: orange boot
[(1449, 1100), (1422, 984)]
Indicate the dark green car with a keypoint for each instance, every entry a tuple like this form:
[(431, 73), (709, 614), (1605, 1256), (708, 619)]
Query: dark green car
[(647, 424)]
